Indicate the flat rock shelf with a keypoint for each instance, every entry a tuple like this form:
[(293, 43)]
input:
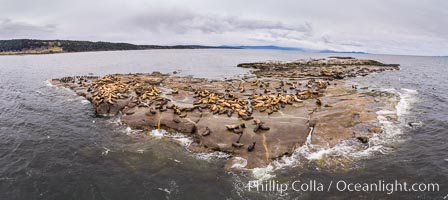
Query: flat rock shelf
[(257, 119)]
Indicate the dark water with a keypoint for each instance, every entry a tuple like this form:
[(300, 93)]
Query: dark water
[(53, 147)]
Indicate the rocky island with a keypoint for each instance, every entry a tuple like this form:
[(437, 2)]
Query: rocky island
[(257, 118)]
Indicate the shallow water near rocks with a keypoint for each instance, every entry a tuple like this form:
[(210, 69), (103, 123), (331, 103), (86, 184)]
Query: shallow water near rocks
[(53, 146)]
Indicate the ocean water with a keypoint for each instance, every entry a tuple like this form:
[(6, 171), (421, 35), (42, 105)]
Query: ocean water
[(53, 147)]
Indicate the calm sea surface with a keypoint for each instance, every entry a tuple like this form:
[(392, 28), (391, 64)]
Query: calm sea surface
[(53, 147)]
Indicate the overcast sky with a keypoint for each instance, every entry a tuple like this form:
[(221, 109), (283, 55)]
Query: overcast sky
[(377, 26)]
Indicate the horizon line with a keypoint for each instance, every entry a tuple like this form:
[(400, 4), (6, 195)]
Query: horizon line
[(274, 47)]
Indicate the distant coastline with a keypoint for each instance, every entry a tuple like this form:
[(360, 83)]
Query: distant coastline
[(31, 46)]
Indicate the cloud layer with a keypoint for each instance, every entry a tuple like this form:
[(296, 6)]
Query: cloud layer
[(185, 22), (15, 29), (377, 26)]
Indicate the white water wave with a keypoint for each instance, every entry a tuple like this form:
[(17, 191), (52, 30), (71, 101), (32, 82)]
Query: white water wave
[(130, 131), (105, 152), (116, 120), (407, 98), (239, 163), (180, 138), (212, 155), (48, 83), (85, 101)]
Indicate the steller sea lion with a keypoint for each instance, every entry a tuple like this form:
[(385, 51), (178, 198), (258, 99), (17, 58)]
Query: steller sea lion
[(251, 147), (363, 139), (237, 145), (206, 132), (257, 127), (238, 131), (229, 113), (231, 127), (318, 102), (264, 127)]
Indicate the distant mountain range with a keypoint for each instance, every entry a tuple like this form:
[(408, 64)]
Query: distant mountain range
[(29, 46), (354, 52), (272, 47)]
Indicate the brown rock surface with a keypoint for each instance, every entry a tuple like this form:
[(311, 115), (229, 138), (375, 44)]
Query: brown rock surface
[(258, 119)]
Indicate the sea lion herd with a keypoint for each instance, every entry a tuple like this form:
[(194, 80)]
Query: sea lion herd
[(239, 98)]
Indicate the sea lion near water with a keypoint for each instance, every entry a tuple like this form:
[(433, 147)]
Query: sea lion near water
[(363, 139)]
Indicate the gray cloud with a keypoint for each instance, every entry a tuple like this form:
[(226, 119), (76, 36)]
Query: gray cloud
[(377, 26), (17, 29), (182, 22)]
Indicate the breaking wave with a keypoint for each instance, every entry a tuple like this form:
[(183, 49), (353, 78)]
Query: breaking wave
[(48, 83), (186, 141), (211, 156)]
